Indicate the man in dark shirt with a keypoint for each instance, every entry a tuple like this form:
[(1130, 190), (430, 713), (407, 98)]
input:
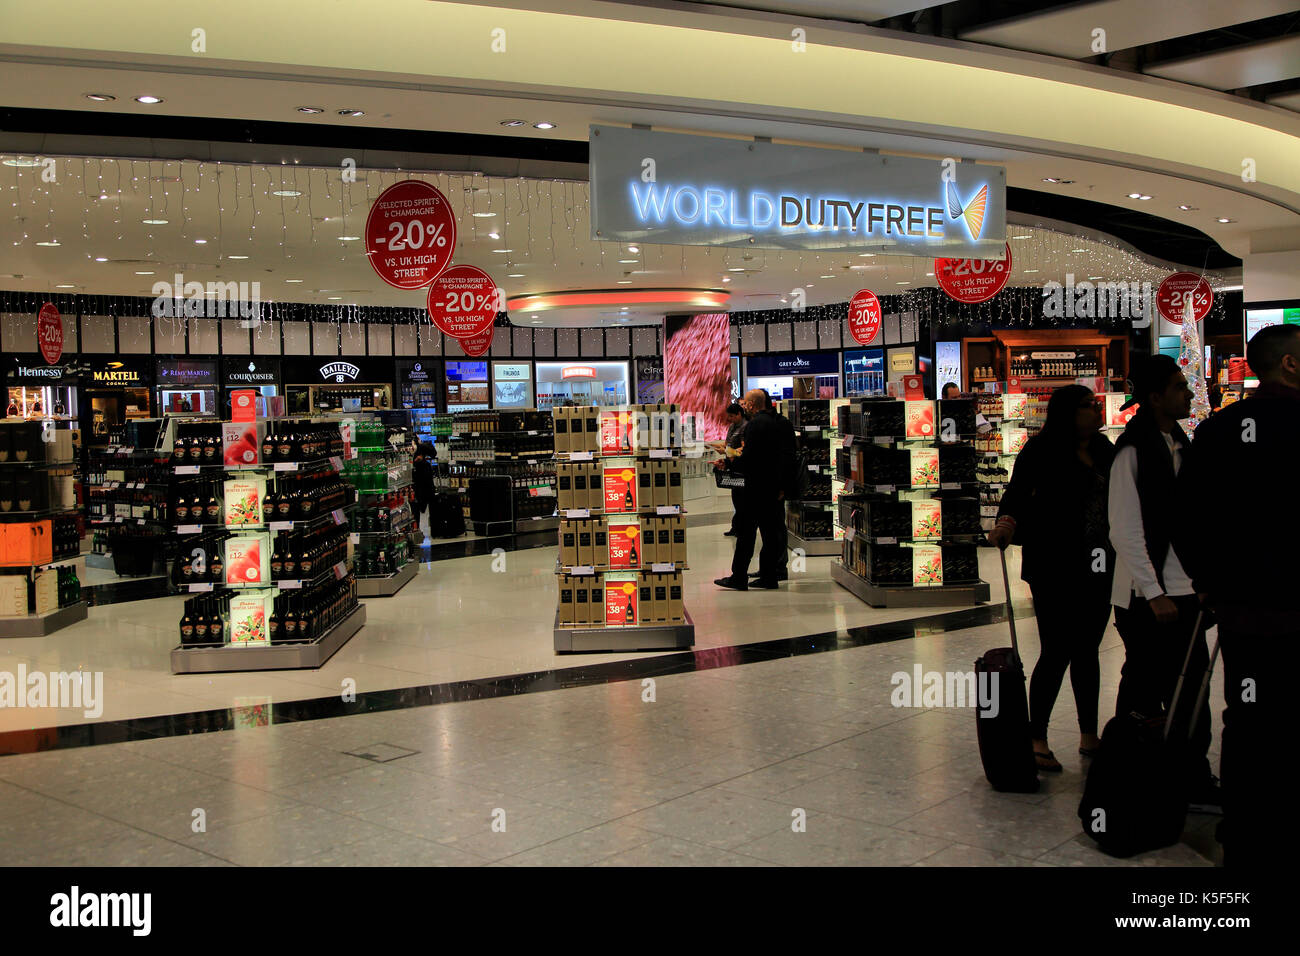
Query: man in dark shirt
[(737, 419), (767, 462), (1238, 492)]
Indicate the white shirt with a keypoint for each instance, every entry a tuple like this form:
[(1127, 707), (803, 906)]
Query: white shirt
[(1133, 570)]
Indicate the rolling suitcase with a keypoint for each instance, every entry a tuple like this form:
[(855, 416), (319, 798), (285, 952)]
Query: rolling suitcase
[(1135, 798), (1002, 714)]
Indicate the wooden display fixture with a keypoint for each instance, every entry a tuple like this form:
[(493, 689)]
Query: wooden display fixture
[(999, 349)]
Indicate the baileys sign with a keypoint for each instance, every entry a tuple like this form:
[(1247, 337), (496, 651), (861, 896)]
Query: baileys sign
[(340, 371)]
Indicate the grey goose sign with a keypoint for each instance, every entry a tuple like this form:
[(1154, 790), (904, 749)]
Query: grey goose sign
[(698, 190)]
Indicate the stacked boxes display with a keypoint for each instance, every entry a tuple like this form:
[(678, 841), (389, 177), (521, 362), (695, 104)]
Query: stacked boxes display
[(622, 532)]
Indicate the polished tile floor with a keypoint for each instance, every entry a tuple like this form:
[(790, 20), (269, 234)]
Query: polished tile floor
[(794, 761)]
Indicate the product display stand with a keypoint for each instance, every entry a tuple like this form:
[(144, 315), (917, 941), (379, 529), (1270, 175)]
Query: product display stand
[(383, 522), (39, 530), (810, 520), (910, 515), (262, 515), (127, 510), (622, 530), (504, 459)]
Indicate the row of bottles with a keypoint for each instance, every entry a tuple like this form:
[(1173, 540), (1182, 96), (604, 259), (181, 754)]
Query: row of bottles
[(205, 621), (458, 476), (197, 450), (303, 555), (382, 558), (202, 559), (1081, 366), (367, 397), (503, 448), (298, 498), (306, 616), (69, 586), (288, 441), (196, 501), (373, 473)]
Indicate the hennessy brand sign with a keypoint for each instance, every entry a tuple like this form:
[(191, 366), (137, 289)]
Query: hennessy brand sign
[(340, 371), (53, 371), (698, 190)]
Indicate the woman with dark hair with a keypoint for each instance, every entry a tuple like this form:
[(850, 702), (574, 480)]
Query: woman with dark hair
[(1055, 506)]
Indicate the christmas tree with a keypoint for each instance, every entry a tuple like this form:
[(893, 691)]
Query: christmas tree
[(1191, 360)]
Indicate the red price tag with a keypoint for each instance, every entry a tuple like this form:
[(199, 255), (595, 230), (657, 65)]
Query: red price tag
[(49, 333), (973, 280), (464, 302), (410, 234), (864, 316), (1180, 288)]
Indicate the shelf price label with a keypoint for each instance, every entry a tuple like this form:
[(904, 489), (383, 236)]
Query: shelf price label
[(195, 588), (663, 566), (187, 469), (288, 585), (337, 514), (340, 570), (668, 510)]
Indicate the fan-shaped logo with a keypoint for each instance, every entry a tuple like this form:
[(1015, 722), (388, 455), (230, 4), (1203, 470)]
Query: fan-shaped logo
[(972, 211)]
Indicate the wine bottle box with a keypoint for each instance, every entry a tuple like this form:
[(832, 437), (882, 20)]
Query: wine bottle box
[(659, 609), (586, 558), (569, 543), (581, 601), (659, 467), (677, 527), (595, 606), (560, 428), (566, 600), (600, 544)]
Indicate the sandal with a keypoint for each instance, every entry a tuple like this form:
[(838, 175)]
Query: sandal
[(1047, 761)]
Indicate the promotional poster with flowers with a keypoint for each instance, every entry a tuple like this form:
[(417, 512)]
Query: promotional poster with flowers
[(927, 566), (925, 466)]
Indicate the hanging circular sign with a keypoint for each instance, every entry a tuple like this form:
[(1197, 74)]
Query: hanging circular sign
[(973, 280), (49, 333), (1175, 292), (477, 344), (464, 301), (864, 316), (410, 234)]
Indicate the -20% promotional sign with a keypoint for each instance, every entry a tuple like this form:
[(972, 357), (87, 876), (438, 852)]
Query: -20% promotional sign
[(973, 280), (410, 234), (464, 301), (1178, 291), (864, 316)]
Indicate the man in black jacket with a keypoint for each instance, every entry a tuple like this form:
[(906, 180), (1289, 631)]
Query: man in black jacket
[(767, 462), (1244, 558), (1156, 606)]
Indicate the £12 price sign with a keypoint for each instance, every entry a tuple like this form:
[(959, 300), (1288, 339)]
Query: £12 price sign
[(973, 280), (1180, 288), (410, 234), (864, 316)]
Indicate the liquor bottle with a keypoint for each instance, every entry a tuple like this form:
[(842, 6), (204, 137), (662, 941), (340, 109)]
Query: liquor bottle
[(194, 450), (273, 622), (289, 621), (628, 504), (284, 447), (291, 558), (181, 507), (187, 627), (268, 447), (277, 560), (631, 616), (178, 451), (307, 623), (632, 556), (215, 564), (269, 505)]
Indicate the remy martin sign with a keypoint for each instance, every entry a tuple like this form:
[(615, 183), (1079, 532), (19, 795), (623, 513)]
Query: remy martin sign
[(702, 191)]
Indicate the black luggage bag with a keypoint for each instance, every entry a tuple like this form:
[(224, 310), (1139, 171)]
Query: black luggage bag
[(1135, 798), (1002, 713), (446, 517)]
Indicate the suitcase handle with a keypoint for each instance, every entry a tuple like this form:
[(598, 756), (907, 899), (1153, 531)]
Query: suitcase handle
[(1011, 615), (1182, 677)]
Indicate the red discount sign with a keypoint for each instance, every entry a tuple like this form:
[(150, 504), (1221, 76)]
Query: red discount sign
[(864, 316), (49, 333), (1177, 291), (478, 344), (973, 280), (410, 234), (464, 301)]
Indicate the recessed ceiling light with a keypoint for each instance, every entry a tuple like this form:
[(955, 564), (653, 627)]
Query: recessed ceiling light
[(334, 297), (352, 112), (49, 242), (866, 255), (783, 301), (348, 238), (65, 286), (1028, 271), (483, 215), (21, 163), (1022, 237), (100, 98), (624, 281), (1224, 219), (1186, 208), (292, 280), (826, 277), (503, 250), (1059, 182), (809, 284), (144, 273), (930, 274), (1144, 197), (494, 235), (902, 283), (1134, 195), (148, 100), (726, 278), (311, 109), (101, 258), (1078, 250), (514, 122), (626, 261), (543, 126), (154, 222), (633, 248), (286, 192), (1094, 277), (236, 257), (103, 195), (514, 275), (200, 242)]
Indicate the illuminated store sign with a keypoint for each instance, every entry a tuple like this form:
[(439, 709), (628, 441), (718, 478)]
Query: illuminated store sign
[(339, 371), (578, 371), (697, 190)]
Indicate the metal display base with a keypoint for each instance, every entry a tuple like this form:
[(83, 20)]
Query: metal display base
[(528, 525), (649, 637), (386, 587), (819, 547), (38, 625), (212, 660), (102, 561), (883, 596)]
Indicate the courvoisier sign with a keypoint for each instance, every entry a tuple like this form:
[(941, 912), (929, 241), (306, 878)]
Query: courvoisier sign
[(697, 190)]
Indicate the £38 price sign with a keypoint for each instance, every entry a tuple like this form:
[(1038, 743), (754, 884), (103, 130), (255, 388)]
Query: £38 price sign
[(464, 301), (410, 234)]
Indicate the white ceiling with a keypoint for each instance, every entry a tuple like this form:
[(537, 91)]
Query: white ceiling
[(545, 224)]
